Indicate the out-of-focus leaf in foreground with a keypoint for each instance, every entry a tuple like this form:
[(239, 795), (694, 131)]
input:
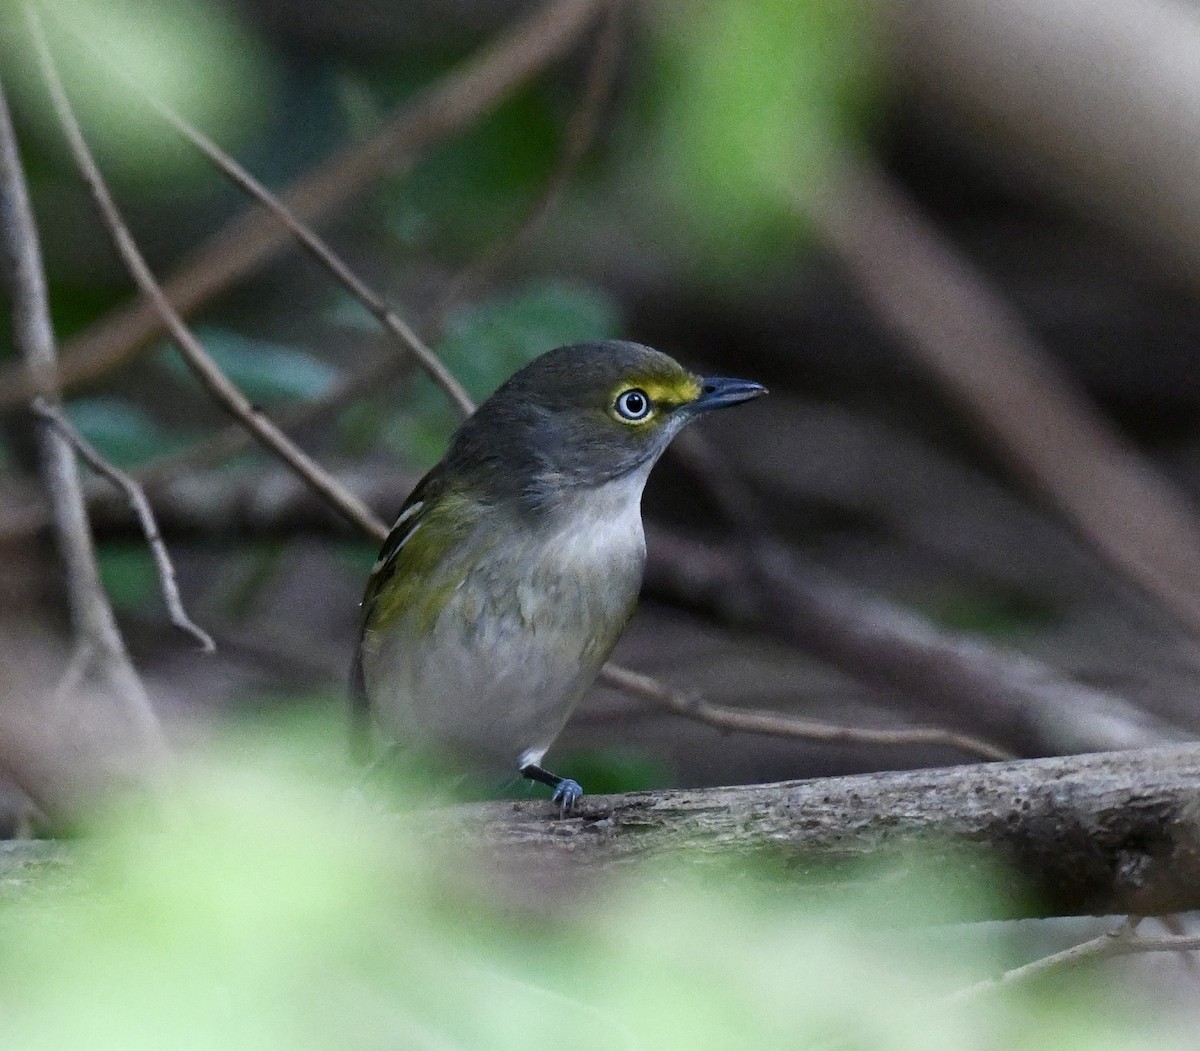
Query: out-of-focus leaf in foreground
[(277, 911)]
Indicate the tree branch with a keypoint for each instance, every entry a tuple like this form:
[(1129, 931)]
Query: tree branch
[(779, 724), (1117, 832), (1006, 697), (127, 740), (971, 341)]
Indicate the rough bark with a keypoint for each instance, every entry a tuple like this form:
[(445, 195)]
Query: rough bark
[(1116, 832)]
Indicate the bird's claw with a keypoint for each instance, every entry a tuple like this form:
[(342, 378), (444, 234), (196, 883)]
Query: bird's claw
[(566, 795)]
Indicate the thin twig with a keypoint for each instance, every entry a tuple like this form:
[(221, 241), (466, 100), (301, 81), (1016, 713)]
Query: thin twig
[(145, 515), (1120, 941), (467, 93), (94, 624), (196, 357), (320, 250), (776, 724)]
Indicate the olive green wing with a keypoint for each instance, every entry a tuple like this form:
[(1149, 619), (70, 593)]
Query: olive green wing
[(415, 574), (406, 524)]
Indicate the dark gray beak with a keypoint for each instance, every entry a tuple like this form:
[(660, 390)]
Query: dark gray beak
[(718, 391)]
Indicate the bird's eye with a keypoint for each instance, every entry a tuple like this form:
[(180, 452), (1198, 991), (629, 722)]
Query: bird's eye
[(633, 405)]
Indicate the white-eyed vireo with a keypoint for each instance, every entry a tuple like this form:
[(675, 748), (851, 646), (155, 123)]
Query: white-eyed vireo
[(516, 562)]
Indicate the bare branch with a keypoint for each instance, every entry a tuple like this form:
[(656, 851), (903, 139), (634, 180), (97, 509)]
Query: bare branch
[(1120, 941), (197, 358), (955, 325), (452, 104), (145, 516), (1004, 696), (777, 724), (1008, 697), (94, 625)]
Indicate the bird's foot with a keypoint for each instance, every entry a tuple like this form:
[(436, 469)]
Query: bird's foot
[(566, 795), (566, 792)]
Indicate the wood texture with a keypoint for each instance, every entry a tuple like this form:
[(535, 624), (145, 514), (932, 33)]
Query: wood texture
[(1117, 832)]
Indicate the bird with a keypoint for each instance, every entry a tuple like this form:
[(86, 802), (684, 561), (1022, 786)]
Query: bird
[(515, 563)]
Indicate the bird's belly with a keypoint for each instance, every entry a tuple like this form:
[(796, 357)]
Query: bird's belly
[(508, 657)]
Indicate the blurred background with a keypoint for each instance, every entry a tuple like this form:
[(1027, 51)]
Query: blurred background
[(957, 240)]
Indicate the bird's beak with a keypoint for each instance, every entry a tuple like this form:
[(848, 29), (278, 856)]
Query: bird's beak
[(718, 391)]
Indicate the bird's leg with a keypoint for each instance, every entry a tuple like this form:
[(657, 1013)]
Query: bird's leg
[(566, 791)]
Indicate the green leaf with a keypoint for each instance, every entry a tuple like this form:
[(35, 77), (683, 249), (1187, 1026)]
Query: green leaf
[(266, 372), (121, 430), (128, 574)]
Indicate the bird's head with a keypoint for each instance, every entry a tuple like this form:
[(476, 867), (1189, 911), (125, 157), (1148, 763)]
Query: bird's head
[(585, 415)]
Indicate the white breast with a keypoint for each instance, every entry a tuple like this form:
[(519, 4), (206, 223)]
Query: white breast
[(522, 638)]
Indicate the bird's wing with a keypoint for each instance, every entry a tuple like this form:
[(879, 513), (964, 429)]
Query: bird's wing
[(405, 526)]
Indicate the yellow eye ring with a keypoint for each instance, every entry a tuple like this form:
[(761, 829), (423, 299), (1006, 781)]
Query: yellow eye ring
[(633, 405)]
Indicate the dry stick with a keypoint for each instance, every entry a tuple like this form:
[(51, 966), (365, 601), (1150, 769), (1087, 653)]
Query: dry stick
[(97, 639), (970, 339), (197, 358), (471, 90), (1120, 941), (775, 724), (145, 515)]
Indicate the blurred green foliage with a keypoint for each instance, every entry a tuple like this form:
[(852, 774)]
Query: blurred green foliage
[(129, 576), (995, 612), (471, 190), (617, 770), (192, 55), (122, 430), (753, 104), (271, 909), (266, 372)]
